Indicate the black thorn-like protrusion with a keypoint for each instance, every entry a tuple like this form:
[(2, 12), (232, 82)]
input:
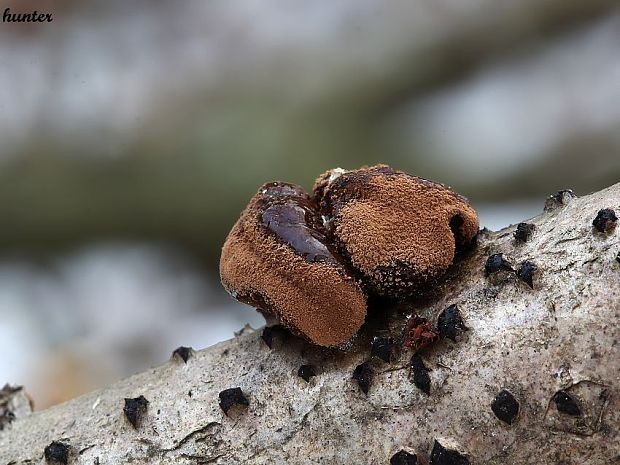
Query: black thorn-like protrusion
[(566, 403), (363, 375), (382, 348), (57, 452), (605, 220), (505, 407), (135, 409), (269, 332), (183, 353), (421, 379), (449, 322), (442, 456), (232, 397), (495, 263), (524, 231), (403, 457), (306, 372), (526, 273), (561, 198)]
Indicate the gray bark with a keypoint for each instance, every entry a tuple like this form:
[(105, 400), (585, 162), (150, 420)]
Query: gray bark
[(560, 335)]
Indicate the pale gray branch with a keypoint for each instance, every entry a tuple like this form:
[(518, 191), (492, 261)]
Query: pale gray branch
[(561, 335)]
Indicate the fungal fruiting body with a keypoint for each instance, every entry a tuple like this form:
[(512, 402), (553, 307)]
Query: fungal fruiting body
[(311, 261), (278, 259), (398, 231)]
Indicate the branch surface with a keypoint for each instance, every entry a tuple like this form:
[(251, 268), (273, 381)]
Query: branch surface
[(561, 336)]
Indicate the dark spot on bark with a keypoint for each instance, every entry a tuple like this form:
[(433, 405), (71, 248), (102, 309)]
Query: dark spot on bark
[(403, 458), (442, 456), (462, 242), (57, 452), (183, 353), (495, 263), (6, 417), (135, 409), (382, 348), (559, 199), (225, 352), (306, 372), (605, 220), (505, 407), (449, 322), (618, 257), (232, 397), (6, 394), (363, 375), (526, 273), (294, 219), (566, 403), (419, 373), (524, 232), (269, 332)]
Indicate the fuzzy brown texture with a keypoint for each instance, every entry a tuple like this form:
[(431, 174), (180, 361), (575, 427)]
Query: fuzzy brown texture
[(399, 231), (318, 300)]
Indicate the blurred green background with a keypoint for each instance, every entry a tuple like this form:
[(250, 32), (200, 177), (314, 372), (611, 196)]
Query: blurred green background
[(133, 133)]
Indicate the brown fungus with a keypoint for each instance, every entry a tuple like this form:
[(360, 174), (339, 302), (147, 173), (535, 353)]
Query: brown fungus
[(309, 261), (277, 258), (398, 231)]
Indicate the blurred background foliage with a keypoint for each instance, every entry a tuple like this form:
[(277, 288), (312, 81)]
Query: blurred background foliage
[(134, 133)]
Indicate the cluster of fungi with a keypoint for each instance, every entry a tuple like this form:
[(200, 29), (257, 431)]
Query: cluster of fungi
[(311, 261)]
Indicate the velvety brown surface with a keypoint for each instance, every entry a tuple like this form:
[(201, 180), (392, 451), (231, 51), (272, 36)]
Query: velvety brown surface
[(397, 230), (317, 298)]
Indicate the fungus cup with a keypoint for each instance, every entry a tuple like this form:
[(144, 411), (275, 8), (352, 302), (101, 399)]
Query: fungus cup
[(311, 262), (277, 258), (398, 231)]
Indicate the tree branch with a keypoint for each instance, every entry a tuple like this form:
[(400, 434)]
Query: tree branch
[(555, 348)]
